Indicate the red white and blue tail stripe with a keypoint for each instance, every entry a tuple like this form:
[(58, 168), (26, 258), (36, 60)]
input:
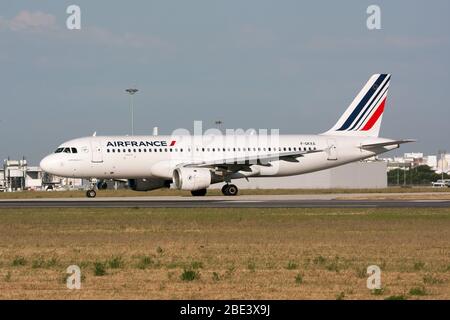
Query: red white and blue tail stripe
[(363, 116)]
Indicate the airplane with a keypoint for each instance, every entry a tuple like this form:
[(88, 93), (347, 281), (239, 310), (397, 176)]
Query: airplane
[(194, 162)]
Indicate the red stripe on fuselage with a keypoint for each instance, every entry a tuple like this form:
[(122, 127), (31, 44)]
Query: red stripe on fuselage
[(374, 117), (172, 143)]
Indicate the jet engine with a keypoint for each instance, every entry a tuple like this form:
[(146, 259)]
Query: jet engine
[(192, 178), (148, 184)]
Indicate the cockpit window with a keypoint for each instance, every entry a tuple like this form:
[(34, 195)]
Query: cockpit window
[(66, 150)]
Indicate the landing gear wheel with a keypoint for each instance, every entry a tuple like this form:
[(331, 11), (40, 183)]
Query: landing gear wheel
[(224, 189), (230, 190), (199, 193), (91, 193)]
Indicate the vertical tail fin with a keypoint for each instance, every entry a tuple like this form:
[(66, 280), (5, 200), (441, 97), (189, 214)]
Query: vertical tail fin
[(363, 116)]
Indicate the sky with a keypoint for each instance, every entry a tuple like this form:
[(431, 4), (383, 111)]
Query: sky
[(289, 65)]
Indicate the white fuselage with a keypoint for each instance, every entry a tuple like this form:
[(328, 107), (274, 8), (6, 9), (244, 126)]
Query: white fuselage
[(132, 157)]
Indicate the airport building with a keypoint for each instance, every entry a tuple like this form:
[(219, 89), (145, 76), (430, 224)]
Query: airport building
[(355, 175), (17, 175), (438, 163)]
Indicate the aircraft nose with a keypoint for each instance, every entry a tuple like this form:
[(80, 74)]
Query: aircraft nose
[(49, 164)]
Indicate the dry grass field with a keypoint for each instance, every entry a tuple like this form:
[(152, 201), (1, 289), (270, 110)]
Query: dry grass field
[(214, 192), (225, 253)]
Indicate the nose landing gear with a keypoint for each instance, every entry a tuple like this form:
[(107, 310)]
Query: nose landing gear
[(91, 193), (230, 190)]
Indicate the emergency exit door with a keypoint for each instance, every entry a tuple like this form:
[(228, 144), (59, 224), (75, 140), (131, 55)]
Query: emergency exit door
[(332, 150)]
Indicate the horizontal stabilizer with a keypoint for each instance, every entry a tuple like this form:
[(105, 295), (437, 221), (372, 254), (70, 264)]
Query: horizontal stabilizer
[(387, 143)]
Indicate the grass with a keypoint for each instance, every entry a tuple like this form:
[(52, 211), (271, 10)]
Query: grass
[(418, 291), (196, 265), (99, 269), (7, 276), (396, 297), (299, 278), (215, 276), (419, 265), (115, 262), (19, 261), (212, 192), (292, 265), (190, 275), (251, 266), (430, 279), (206, 253), (378, 292), (144, 262), (340, 295), (40, 262)]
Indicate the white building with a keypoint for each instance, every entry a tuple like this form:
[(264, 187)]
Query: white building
[(355, 175)]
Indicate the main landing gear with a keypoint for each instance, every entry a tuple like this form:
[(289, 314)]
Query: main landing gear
[(199, 193), (230, 190)]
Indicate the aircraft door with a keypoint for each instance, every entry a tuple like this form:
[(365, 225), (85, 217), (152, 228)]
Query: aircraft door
[(332, 150), (97, 154)]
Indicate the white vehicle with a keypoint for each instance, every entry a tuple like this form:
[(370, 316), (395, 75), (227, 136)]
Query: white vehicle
[(194, 162), (441, 183)]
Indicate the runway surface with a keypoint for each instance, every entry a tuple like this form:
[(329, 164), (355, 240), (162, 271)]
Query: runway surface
[(291, 201)]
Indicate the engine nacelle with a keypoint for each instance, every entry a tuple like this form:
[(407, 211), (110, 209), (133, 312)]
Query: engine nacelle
[(191, 178), (148, 184)]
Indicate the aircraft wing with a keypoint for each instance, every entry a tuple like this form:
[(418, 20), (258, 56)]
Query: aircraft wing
[(250, 160), (385, 144)]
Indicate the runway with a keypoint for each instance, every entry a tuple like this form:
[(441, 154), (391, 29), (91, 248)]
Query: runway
[(292, 201)]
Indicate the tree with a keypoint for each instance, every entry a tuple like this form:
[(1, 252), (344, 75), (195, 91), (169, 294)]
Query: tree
[(420, 175)]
